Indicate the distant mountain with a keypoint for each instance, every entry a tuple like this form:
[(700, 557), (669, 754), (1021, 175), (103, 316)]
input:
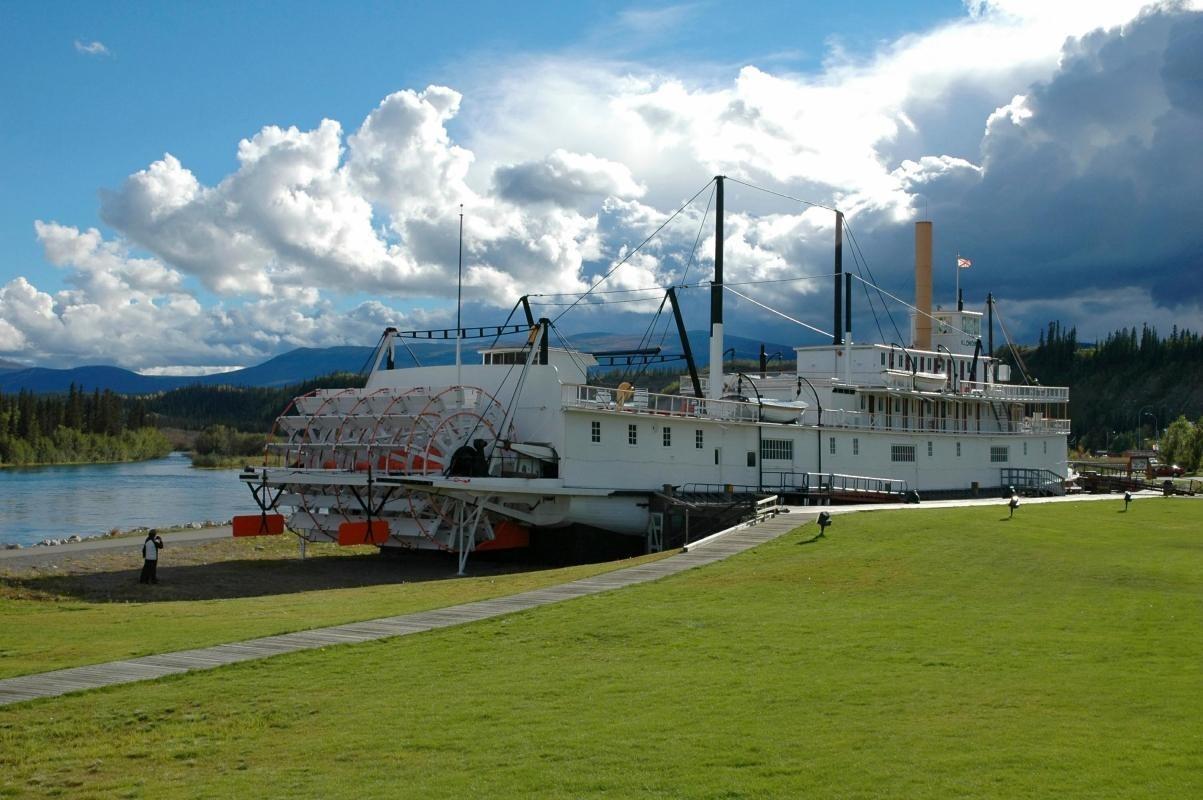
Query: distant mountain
[(304, 363), (6, 365)]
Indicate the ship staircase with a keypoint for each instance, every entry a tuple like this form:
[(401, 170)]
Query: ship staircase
[(834, 488), (696, 510), (1032, 482)]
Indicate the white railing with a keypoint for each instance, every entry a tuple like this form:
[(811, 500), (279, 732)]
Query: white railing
[(641, 401), (1012, 393), (863, 420)]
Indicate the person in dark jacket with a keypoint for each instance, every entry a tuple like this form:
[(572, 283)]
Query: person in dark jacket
[(150, 556)]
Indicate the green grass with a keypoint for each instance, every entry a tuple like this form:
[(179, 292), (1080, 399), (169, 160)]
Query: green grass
[(923, 653), (231, 590)]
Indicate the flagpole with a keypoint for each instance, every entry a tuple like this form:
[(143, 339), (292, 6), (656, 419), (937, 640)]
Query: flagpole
[(956, 299)]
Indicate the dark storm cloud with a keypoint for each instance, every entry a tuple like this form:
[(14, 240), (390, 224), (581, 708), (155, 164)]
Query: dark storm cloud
[(1093, 180)]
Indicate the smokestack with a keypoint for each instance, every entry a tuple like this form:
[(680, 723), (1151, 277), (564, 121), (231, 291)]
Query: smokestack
[(922, 286)]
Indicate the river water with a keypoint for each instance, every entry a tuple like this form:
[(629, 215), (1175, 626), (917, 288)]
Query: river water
[(53, 502)]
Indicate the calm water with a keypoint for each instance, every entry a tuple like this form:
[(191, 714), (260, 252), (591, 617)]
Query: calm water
[(53, 502)]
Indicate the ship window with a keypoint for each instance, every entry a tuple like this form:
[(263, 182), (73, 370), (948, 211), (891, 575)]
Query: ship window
[(698, 438), (777, 450), (717, 454), (883, 359), (902, 452), (1000, 455), (595, 432), (1046, 448), (855, 446), (1025, 448), (831, 445), (751, 458), (632, 434), (668, 436), (929, 449), (958, 449)]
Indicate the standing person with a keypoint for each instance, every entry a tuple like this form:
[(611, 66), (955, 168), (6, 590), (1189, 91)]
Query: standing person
[(150, 555)]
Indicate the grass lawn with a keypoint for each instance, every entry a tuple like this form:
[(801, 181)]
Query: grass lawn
[(92, 609), (923, 653)]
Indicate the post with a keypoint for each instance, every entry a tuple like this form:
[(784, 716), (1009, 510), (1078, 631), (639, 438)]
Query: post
[(716, 297), (686, 349), (992, 373), (837, 336)]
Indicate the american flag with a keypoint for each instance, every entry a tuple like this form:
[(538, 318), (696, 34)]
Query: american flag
[(963, 263)]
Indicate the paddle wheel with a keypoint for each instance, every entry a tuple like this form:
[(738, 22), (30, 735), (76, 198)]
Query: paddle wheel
[(329, 451)]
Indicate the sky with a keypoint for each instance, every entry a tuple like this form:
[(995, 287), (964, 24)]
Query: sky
[(195, 187)]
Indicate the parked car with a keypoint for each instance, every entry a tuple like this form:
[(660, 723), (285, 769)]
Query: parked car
[(1159, 470)]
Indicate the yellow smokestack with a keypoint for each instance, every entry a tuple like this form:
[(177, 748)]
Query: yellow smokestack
[(922, 286)]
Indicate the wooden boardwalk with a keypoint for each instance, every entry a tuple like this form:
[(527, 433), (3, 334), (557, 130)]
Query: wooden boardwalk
[(77, 679)]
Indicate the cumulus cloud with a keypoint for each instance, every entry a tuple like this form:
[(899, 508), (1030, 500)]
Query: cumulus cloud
[(1056, 143), (1087, 180), (566, 179)]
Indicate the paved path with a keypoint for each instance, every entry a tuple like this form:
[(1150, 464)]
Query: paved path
[(74, 551), (707, 551)]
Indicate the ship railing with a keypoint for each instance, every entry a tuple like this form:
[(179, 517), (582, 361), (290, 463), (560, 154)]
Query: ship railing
[(641, 401), (1011, 393), (880, 421), (804, 482)]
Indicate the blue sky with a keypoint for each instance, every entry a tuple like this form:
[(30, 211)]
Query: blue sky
[(96, 93), (192, 79)]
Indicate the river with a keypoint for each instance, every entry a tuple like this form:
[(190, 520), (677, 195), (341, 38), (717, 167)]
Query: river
[(38, 503)]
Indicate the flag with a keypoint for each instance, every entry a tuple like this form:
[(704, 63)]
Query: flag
[(963, 263)]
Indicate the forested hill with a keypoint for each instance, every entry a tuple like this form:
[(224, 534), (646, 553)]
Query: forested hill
[(1134, 380)]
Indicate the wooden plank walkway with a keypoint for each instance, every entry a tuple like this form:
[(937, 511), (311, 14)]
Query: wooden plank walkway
[(77, 679)]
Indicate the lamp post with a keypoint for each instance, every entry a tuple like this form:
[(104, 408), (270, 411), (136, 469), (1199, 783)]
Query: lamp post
[(1156, 422), (819, 423), (1140, 427)]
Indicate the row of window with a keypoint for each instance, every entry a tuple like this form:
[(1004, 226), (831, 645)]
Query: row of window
[(783, 449), (666, 435)]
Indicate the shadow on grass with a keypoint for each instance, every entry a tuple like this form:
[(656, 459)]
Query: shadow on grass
[(259, 577)]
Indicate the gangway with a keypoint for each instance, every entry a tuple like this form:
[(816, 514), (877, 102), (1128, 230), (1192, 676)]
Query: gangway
[(1033, 482)]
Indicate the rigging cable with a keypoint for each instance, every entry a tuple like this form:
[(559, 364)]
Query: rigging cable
[(628, 256), (775, 311), (944, 323), (859, 254), (1023, 370)]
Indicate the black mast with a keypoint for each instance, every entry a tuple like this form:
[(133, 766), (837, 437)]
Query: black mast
[(837, 336)]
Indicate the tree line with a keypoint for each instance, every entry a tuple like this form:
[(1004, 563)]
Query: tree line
[(1125, 389), (76, 427)]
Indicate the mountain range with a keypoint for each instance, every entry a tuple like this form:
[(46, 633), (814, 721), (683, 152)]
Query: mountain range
[(304, 363)]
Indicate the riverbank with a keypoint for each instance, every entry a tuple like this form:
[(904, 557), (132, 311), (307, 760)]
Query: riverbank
[(91, 501), (89, 607)]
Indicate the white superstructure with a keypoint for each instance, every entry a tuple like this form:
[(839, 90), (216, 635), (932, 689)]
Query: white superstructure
[(460, 456)]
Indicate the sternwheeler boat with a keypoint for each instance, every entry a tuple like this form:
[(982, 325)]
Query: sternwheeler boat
[(471, 457)]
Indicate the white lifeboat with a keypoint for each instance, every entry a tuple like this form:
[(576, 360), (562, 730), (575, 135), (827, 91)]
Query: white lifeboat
[(783, 411)]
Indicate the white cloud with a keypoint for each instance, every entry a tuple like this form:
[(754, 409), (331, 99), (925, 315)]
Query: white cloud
[(93, 48), (1037, 141)]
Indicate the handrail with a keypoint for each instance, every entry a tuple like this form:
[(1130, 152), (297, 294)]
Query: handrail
[(642, 402), (1015, 392)]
